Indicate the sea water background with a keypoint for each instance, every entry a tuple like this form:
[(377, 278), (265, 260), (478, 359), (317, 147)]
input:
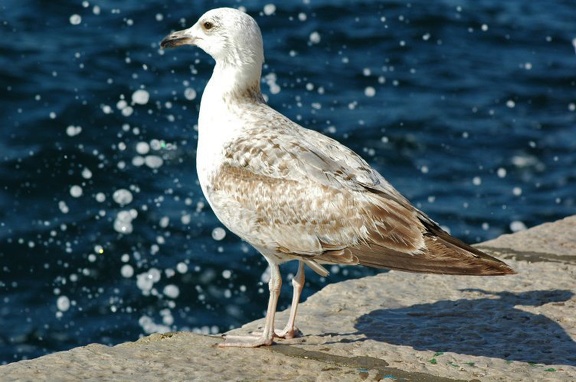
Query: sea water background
[(468, 108)]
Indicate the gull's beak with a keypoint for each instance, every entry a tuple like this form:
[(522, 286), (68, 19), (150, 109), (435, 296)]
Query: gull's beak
[(178, 38)]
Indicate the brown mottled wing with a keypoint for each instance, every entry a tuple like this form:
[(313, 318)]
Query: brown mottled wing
[(441, 252), (313, 198)]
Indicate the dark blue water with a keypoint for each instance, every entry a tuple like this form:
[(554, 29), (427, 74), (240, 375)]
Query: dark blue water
[(468, 108)]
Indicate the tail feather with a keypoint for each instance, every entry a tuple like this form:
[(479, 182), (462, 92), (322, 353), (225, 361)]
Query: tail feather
[(440, 259), (442, 254)]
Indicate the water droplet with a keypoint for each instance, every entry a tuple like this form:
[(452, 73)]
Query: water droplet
[(122, 196), (76, 191), (190, 94), (63, 303), (75, 19), (315, 37), (269, 9), (171, 291), (140, 97), (127, 271), (218, 233)]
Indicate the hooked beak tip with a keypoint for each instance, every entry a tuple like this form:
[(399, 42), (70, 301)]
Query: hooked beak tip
[(176, 39)]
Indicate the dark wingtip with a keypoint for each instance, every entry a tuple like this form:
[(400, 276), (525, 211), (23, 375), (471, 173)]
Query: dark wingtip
[(507, 270), (501, 270)]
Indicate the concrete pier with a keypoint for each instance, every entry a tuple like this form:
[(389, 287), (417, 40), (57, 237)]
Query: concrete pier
[(393, 326)]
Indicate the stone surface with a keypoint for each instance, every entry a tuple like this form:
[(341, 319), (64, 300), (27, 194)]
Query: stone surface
[(549, 241), (398, 325)]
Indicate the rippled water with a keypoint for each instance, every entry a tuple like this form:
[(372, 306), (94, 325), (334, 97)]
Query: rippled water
[(468, 108)]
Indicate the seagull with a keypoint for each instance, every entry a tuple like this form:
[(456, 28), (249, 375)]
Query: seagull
[(295, 194)]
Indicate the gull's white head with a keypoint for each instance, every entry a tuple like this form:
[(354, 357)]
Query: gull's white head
[(230, 36)]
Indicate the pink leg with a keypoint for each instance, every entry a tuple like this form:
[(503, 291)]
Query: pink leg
[(290, 331), (265, 339)]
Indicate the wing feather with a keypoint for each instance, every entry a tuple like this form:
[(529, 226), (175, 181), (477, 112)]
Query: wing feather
[(303, 195)]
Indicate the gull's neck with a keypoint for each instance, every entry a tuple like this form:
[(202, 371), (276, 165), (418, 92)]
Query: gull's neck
[(234, 84), (231, 91)]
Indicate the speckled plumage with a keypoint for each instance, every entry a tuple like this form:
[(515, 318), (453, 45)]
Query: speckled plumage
[(293, 193)]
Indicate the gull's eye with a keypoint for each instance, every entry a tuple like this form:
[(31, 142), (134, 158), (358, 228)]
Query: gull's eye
[(208, 25)]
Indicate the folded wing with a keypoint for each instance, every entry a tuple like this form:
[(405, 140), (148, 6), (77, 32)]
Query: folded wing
[(322, 203)]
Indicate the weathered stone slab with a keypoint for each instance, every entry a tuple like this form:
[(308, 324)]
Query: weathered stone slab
[(398, 325)]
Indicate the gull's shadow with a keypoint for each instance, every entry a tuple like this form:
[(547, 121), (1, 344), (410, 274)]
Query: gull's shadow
[(495, 326)]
